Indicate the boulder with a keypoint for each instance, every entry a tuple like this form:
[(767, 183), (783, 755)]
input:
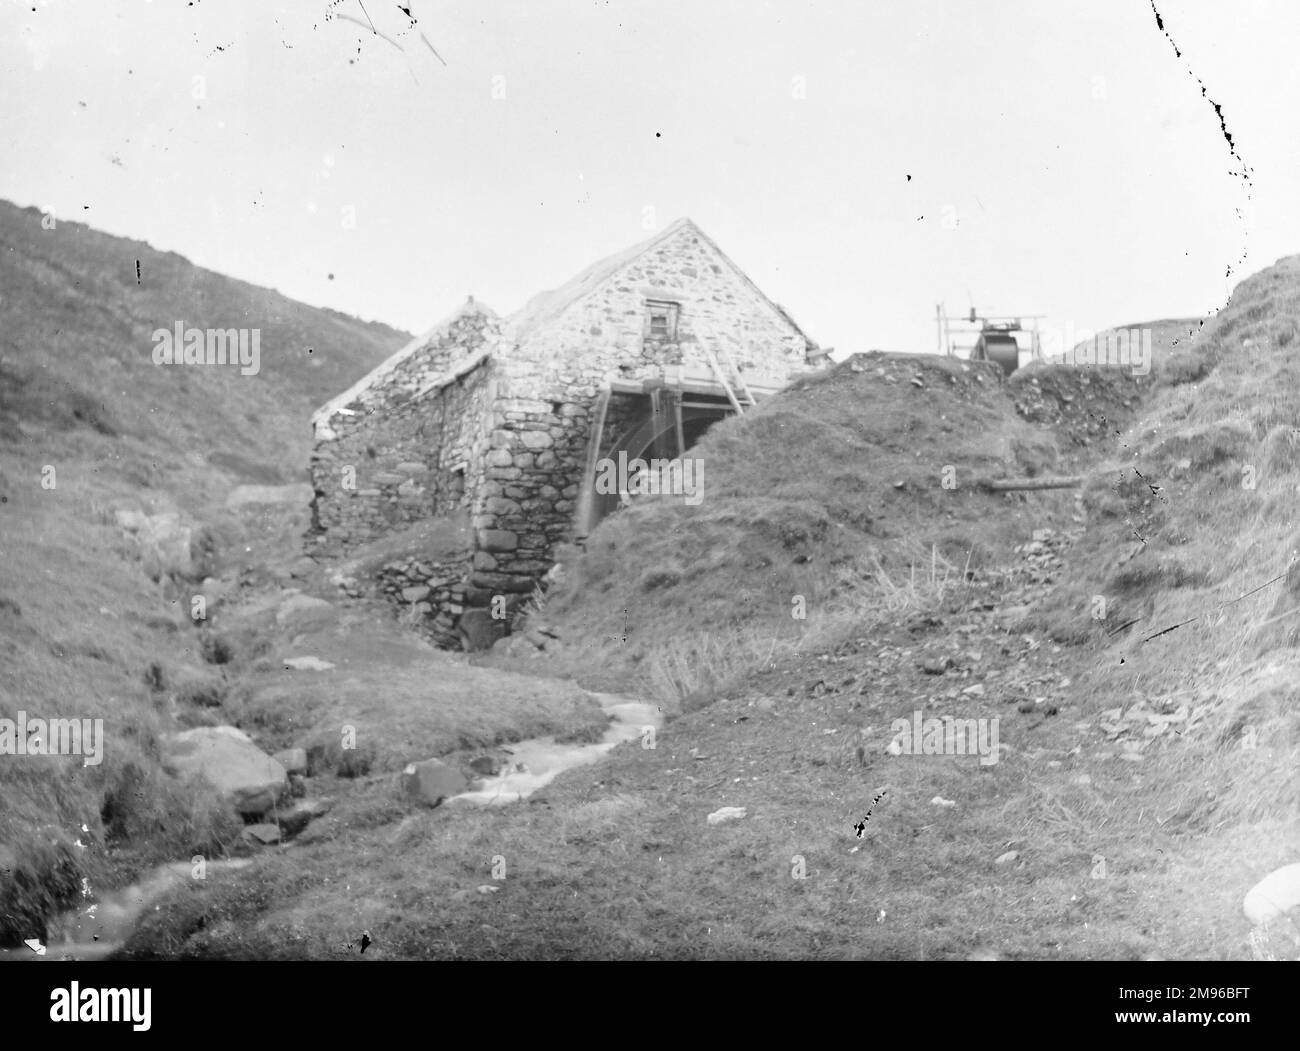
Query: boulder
[(215, 591), (228, 758), (1274, 896), (304, 612), (294, 760), (478, 630), (264, 835), (487, 765), (516, 646), (431, 781), (307, 664), (935, 663), (725, 814), (294, 819)]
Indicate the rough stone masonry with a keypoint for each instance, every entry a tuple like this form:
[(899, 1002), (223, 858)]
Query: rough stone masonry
[(492, 418)]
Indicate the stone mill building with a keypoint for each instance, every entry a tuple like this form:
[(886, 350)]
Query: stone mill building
[(496, 425)]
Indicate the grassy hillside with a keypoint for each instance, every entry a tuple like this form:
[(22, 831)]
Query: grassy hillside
[(76, 367), (85, 631), (1196, 553), (1125, 819), (1135, 639), (849, 498), (855, 491)]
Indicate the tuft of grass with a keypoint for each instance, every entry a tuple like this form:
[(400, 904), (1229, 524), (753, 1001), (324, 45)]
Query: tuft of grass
[(691, 674)]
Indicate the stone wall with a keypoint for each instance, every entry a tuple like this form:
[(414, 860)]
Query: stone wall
[(398, 455), (547, 385), (431, 593), (526, 501), (494, 418), (438, 352), (605, 331)]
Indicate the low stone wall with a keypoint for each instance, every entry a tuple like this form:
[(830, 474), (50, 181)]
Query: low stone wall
[(432, 593)]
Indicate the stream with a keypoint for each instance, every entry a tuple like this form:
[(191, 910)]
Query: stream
[(539, 760), (102, 924)]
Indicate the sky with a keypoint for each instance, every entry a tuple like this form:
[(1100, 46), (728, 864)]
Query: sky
[(861, 161)]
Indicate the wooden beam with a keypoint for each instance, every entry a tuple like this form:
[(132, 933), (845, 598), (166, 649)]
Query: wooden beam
[(722, 378), (1008, 485), (740, 378), (677, 420), (687, 386)]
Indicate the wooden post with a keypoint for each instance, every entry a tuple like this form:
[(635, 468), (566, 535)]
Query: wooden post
[(583, 524)]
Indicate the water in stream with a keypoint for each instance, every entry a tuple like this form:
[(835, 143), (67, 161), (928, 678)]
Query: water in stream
[(102, 925), (538, 761)]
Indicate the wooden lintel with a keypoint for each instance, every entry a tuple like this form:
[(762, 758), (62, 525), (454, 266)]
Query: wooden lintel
[(684, 387)]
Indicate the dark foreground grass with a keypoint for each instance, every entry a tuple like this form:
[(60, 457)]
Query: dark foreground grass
[(618, 861), (83, 624)]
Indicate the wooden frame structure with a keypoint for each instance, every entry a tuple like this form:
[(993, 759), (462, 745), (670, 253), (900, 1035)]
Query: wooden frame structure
[(677, 396), (959, 337)]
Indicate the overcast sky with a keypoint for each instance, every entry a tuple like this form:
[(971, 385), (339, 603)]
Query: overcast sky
[(1062, 158)]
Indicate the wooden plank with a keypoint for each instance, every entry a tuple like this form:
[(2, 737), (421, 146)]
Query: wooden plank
[(705, 405), (740, 379), (731, 395), (1007, 485), (627, 386), (620, 386)]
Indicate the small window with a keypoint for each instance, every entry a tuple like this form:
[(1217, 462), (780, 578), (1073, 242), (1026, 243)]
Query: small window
[(661, 320)]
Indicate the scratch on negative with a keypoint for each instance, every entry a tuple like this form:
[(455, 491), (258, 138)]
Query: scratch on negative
[(1218, 110)]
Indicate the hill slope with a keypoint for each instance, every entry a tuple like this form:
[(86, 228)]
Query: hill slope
[(84, 630), (75, 359), (1123, 818), (829, 509)]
